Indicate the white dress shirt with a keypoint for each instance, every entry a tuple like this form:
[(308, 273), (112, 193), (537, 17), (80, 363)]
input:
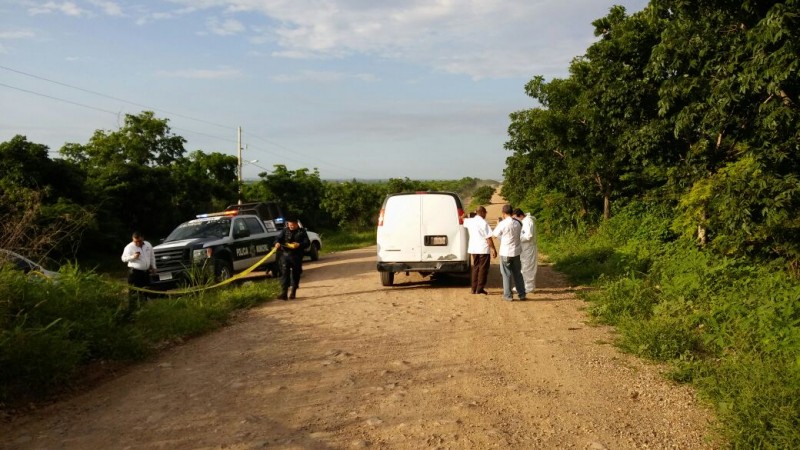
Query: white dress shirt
[(479, 231), (508, 230), (146, 259)]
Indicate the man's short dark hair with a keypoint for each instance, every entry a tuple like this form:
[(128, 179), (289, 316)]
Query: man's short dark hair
[(507, 209), (481, 210), (518, 212)]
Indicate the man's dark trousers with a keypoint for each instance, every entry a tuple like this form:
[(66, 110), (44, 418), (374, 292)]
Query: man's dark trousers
[(140, 279), (291, 268), (480, 271)]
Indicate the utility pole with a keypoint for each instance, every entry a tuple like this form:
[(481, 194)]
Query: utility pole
[(239, 149)]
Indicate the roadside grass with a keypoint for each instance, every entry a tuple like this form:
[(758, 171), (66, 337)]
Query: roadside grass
[(731, 327), (51, 330), (341, 240)]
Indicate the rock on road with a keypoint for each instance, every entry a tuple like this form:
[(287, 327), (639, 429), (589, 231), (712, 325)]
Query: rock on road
[(353, 364)]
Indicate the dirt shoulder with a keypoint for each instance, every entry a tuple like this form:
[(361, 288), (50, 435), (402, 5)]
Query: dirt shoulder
[(353, 364)]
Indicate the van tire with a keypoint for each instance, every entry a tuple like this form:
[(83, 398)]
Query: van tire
[(313, 252), (387, 278)]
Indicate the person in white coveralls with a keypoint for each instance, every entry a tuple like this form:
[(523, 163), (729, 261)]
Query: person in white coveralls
[(530, 249)]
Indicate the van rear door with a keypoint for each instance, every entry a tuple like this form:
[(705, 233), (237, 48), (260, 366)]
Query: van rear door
[(399, 237), (440, 232)]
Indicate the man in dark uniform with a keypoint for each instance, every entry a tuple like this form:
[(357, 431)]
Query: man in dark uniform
[(294, 241)]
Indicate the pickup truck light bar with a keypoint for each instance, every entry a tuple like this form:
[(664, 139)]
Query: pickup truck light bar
[(217, 214)]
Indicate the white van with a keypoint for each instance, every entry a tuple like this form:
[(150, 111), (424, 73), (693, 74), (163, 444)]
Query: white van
[(421, 232)]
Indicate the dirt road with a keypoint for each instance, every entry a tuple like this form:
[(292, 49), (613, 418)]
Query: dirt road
[(351, 364)]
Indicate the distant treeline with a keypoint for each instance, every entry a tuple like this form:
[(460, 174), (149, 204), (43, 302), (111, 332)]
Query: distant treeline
[(140, 177)]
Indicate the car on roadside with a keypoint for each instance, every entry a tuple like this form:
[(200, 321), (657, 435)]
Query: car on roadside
[(316, 244), (24, 264), (223, 243)]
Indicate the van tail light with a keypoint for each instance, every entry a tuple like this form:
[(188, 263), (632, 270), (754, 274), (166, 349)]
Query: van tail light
[(380, 218), (460, 216)]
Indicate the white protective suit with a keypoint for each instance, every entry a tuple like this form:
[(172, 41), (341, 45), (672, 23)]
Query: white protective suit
[(530, 252)]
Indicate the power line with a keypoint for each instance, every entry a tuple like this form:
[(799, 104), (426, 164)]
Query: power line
[(116, 113), (112, 97), (314, 160)]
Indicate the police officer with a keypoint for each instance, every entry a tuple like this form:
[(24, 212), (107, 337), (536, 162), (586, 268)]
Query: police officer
[(293, 240)]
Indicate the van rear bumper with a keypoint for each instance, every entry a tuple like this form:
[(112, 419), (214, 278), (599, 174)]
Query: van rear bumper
[(419, 266)]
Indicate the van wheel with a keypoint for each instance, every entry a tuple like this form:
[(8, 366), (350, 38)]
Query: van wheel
[(387, 278), (313, 252)]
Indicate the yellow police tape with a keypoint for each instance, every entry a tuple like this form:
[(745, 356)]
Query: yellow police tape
[(241, 274)]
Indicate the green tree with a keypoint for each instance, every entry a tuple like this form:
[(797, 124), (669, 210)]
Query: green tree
[(41, 212), (482, 195), (138, 177), (731, 87), (300, 192), (353, 204)]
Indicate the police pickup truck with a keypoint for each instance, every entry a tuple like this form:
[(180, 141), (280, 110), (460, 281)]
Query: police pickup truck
[(272, 215), (224, 243)]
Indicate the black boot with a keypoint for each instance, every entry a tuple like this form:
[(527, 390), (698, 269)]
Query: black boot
[(293, 292), (282, 295)]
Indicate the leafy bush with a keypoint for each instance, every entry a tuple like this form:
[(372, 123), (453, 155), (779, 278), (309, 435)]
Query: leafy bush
[(49, 329), (729, 325)]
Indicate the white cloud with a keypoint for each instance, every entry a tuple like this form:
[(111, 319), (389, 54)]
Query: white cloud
[(204, 74), (322, 77), (225, 27), (17, 34), (109, 8), (66, 8), (480, 38)]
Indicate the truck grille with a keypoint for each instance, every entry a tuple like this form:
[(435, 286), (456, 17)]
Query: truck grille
[(173, 259)]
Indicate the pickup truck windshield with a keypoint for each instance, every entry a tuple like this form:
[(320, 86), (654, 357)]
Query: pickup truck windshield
[(219, 228)]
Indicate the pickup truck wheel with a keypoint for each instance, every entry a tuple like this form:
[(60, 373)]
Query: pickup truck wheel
[(222, 270), (313, 252), (387, 278)]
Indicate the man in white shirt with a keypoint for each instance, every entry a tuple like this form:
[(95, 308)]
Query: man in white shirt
[(508, 230), (481, 247), (141, 260), (528, 255)]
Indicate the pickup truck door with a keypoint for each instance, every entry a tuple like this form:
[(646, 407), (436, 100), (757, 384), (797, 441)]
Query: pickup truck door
[(251, 242)]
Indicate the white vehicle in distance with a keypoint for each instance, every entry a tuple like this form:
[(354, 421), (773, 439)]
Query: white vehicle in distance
[(421, 232), (24, 264)]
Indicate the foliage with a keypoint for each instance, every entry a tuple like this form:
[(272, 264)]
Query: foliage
[(353, 205), (482, 196), (727, 324), (693, 101), (50, 329), (338, 241), (138, 178), (32, 227), (299, 192)]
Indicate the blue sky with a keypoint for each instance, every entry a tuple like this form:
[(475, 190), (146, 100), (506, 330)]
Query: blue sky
[(355, 88)]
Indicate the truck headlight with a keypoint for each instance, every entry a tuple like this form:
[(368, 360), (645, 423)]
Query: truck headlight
[(201, 254)]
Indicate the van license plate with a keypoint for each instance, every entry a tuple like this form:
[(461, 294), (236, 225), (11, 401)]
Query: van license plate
[(165, 276), (436, 240)]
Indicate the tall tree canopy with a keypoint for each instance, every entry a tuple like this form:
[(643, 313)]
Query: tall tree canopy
[(692, 101)]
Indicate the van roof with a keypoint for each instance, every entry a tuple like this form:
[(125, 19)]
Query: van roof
[(451, 194)]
